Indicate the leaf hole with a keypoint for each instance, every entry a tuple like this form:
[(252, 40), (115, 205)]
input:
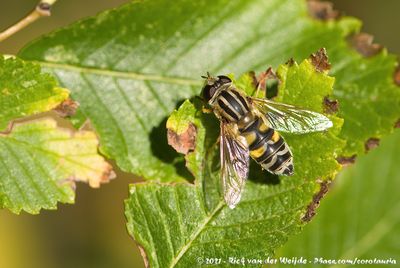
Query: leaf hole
[(272, 88)]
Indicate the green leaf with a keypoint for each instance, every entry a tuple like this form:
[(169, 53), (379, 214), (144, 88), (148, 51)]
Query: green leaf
[(369, 99), (25, 91), (129, 67), (360, 216), (40, 163), (181, 123), (178, 224)]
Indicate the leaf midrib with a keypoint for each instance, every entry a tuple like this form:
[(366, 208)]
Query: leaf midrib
[(121, 74), (200, 228), (218, 208)]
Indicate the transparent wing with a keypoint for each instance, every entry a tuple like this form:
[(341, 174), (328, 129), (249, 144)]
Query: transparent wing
[(234, 165), (288, 118)]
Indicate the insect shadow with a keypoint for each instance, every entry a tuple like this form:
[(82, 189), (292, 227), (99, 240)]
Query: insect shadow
[(272, 86), (260, 176), (164, 152)]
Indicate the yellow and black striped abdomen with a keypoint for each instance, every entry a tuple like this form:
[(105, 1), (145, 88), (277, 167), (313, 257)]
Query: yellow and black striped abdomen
[(268, 148)]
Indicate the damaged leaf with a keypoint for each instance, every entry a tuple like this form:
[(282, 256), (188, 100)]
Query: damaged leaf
[(181, 131), (397, 125), (128, 80), (185, 142), (40, 163), (322, 10), (364, 44), (330, 106), (346, 161), (198, 219), (369, 99), (320, 60), (25, 90), (312, 207), (371, 143), (67, 108)]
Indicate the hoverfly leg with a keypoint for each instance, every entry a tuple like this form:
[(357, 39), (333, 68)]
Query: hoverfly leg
[(262, 81), (206, 110)]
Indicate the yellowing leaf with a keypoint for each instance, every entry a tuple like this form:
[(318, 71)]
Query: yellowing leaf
[(25, 90), (40, 163)]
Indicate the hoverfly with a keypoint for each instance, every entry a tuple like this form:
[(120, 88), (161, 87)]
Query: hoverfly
[(249, 128)]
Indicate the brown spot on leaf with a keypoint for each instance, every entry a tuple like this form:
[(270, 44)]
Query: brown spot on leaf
[(109, 174), (290, 62), (330, 106), (363, 43), (397, 124), (396, 76), (144, 256), (312, 207), (253, 76), (264, 76), (320, 60), (322, 10), (346, 160), (371, 143), (185, 142), (67, 108)]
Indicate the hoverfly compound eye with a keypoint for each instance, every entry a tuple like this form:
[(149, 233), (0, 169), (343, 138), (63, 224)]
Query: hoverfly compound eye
[(212, 84), (208, 92), (223, 79)]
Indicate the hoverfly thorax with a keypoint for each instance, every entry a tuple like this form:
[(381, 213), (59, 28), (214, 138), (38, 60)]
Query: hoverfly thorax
[(213, 86)]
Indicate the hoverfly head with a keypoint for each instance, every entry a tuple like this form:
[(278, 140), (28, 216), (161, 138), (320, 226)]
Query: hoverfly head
[(212, 84)]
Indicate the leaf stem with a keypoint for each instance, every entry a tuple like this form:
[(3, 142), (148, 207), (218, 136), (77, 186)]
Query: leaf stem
[(42, 9)]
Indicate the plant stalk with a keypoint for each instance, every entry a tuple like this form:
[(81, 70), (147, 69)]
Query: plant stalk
[(41, 10)]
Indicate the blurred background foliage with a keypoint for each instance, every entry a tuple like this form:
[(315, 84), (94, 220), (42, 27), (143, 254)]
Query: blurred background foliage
[(92, 232), (360, 215)]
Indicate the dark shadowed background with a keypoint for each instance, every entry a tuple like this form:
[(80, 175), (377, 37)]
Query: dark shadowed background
[(92, 232)]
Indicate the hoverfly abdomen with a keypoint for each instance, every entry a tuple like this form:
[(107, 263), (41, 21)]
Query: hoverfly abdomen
[(268, 148), (255, 133), (277, 158)]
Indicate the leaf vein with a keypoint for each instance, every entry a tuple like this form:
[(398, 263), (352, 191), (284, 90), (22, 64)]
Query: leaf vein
[(121, 74), (200, 228)]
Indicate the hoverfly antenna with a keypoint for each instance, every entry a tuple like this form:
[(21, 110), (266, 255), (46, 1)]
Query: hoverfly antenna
[(210, 79), (206, 77)]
